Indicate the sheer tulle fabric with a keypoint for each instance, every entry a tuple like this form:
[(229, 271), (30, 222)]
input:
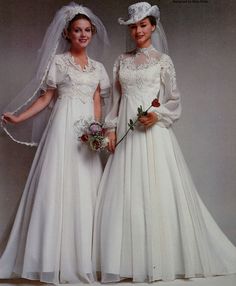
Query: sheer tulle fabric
[(150, 222), (30, 131)]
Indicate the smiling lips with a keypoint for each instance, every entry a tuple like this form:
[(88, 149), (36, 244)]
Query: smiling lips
[(138, 37), (82, 40)]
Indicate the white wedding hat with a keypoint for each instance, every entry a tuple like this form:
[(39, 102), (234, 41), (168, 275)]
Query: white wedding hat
[(139, 11)]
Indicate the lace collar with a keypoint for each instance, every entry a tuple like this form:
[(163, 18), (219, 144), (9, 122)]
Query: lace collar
[(144, 50), (87, 68)]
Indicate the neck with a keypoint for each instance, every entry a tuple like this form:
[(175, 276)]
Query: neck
[(144, 45), (78, 53)]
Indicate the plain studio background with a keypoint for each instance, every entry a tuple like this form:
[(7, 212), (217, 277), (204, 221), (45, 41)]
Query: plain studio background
[(202, 43)]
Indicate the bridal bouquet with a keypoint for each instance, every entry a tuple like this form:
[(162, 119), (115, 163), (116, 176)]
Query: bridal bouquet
[(91, 133)]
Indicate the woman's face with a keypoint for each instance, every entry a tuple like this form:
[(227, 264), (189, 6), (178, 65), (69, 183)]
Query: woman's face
[(80, 34), (141, 32)]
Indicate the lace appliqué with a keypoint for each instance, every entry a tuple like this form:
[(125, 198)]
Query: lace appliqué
[(90, 67), (167, 67), (141, 58), (77, 83), (137, 69), (111, 123)]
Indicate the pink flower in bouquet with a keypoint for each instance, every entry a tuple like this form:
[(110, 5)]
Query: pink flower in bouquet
[(92, 133), (95, 127)]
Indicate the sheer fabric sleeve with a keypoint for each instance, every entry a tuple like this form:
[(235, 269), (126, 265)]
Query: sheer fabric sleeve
[(112, 116), (104, 81), (55, 74), (105, 88), (170, 109)]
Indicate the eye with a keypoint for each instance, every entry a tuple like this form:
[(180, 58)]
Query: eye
[(88, 30)]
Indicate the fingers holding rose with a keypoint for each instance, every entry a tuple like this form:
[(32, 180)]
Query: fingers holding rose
[(148, 120)]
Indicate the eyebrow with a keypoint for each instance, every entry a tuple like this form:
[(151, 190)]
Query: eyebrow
[(78, 27), (144, 21)]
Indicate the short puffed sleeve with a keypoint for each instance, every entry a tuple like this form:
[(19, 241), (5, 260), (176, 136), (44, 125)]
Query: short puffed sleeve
[(56, 73)]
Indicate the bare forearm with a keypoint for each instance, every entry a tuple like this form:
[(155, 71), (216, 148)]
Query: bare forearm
[(98, 113), (37, 106), (97, 107)]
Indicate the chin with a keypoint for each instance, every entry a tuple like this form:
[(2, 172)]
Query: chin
[(82, 45), (140, 42)]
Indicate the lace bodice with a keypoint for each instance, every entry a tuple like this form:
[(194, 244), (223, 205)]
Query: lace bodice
[(139, 77), (73, 81), (140, 58), (142, 69)]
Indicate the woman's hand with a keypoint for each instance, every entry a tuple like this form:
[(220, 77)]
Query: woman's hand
[(35, 108), (112, 141), (10, 118), (148, 120)]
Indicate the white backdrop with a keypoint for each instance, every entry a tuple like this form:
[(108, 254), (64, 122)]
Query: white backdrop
[(202, 44)]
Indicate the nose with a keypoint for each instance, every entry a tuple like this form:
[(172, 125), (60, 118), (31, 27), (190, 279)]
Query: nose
[(138, 29), (83, 33)]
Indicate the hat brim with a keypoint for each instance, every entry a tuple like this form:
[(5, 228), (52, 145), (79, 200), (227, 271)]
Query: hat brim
[(153, 11)]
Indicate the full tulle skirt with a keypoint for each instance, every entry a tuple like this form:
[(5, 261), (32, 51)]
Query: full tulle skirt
[(150, 221), (51, 238)]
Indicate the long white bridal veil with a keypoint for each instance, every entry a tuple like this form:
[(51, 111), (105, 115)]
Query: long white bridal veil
[(30, 131)]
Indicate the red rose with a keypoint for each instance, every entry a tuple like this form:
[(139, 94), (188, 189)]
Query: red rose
[(155, 103), (84, 138)]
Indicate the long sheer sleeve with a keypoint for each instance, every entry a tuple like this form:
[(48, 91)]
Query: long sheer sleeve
[(105, 88), (170, 109), (112, 116), (104, 81)]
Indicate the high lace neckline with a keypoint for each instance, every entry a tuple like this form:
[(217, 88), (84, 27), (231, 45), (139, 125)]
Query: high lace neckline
[(145, 50)]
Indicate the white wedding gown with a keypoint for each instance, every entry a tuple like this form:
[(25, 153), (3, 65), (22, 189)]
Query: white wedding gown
[(150, 223), (51, 238)]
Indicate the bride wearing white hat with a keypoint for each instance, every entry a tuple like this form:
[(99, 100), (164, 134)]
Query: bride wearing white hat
[(150, 222)]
